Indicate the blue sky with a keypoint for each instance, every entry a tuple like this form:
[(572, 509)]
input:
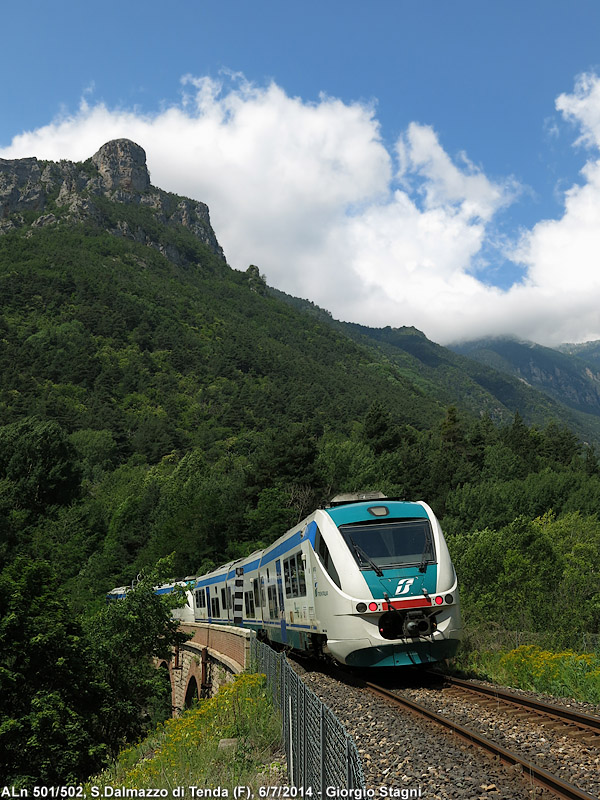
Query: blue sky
[(413, 161)]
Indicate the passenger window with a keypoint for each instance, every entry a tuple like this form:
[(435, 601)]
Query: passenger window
[(295, 582), (273, 607)]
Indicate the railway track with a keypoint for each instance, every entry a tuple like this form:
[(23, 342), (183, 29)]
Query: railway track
[(510, 727), (585, 727), (538, 775)]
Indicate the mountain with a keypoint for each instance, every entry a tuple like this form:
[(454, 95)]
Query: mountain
[(586, 351), (95, 241), (570, 375), (120, 313), (153, 400), (480, 379), (44, 194)]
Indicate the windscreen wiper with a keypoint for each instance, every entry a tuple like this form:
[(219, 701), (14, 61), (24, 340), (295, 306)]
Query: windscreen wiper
[(363, 556), (424, 554)]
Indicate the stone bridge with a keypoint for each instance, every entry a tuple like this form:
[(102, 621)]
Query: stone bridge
[(210, 658)]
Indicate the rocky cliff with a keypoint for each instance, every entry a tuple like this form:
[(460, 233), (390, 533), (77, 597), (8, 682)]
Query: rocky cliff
[(40, 193)]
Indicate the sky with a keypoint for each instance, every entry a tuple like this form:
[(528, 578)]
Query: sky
[(433, 164)]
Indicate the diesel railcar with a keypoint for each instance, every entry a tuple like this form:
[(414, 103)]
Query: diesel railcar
[(367, 581)]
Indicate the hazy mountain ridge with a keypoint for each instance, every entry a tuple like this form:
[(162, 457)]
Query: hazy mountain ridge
[(586, 351), (568, 374)]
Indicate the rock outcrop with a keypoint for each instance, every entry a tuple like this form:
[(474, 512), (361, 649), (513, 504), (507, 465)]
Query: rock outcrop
[(121, 164), (40, 193)]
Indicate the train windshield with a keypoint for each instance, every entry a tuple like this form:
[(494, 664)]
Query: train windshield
[(394, 543)]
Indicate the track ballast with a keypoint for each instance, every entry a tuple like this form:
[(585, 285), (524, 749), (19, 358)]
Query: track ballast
[(401, 749)]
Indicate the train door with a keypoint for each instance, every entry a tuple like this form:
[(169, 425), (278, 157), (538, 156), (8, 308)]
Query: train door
[(281, 601), (264, 607), (255, 589), (227, 600), (208, 609), (310, 577)]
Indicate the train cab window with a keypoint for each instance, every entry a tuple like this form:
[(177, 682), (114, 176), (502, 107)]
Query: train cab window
[(393, 543), (295, 581), (325, 557), (301, 576), (249, 603)]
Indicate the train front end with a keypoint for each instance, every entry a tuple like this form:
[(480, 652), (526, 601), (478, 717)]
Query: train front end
[(398, 604)]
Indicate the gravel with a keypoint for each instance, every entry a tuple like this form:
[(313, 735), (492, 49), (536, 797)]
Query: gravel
[(569, 758), (399, 750)]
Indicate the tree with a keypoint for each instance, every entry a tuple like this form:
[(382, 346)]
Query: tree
[(380, 431), (48, 705), (124, 637), (38, 464)]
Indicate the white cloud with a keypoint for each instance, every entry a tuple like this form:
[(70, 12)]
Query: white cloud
[(468, 190), (563, 256), (309, 193)]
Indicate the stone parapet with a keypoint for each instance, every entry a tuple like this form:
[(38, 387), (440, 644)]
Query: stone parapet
[(225, 639), (211, 657)]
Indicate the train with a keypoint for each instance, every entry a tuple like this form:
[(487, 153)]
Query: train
[(366, 581)]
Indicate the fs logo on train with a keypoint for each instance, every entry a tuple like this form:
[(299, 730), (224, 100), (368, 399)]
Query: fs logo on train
[(404, 585)]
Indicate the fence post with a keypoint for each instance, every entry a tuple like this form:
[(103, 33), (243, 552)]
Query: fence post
[(304, 742), (306, 749), (349, 775), (292, 761), (323, 746)]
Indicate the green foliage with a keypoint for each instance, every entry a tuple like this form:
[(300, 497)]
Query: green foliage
[(37, 465), (184, 751), (512, 575), (123, 638), (48, 706), (562, 674), (72, 693)]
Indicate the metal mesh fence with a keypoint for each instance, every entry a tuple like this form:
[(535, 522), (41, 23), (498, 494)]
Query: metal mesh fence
[(319, 751)]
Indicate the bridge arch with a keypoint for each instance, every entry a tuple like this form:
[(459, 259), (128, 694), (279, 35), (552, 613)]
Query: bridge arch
[(211, 657), (191, 693)]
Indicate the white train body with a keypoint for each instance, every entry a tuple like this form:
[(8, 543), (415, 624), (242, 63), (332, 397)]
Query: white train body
[(185, 613), (366, 582)]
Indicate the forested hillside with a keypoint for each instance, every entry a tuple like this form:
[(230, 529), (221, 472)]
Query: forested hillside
[(155, 402), (495, 376), (570, 375)]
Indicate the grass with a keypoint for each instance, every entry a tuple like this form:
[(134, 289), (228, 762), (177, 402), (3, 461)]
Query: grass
[(184, 751), (561, 674)]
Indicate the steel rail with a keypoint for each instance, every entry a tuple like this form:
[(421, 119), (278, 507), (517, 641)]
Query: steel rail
[(542, 777), (587, 722)]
